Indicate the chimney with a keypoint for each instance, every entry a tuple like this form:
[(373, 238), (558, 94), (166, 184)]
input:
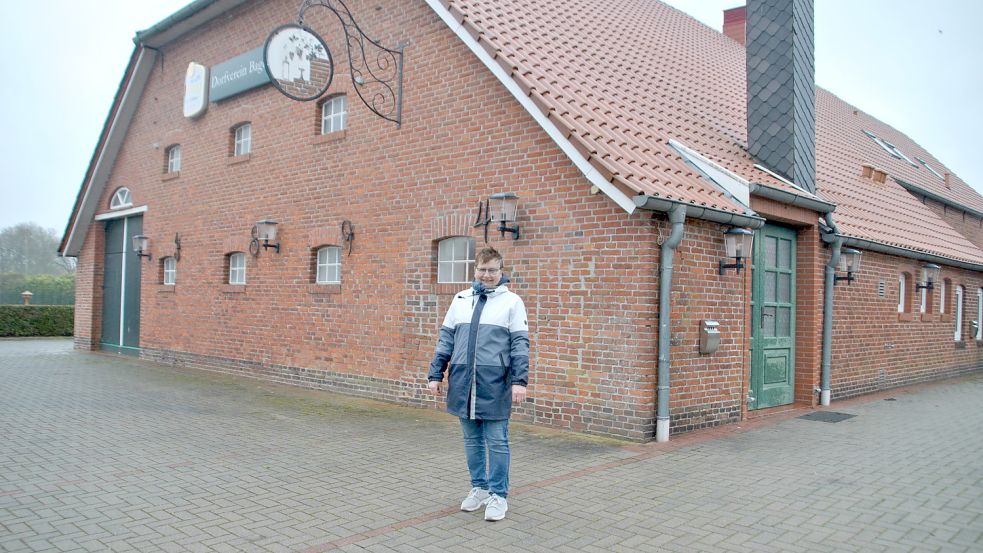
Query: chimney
[(735, 20), (781, 88)]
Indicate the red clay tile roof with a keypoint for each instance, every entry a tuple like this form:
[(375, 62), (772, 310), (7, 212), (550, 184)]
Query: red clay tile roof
[(620, 78)]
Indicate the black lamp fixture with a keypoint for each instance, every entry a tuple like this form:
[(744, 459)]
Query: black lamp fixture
[(737, 243), (850, 263), (930, 274), (141, 245), (264, 230), (505, 206)]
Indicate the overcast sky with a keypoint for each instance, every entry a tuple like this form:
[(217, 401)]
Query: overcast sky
[(913, 64)]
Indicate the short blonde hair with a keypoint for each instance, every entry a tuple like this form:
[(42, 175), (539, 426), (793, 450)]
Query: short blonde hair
[(487, 254)]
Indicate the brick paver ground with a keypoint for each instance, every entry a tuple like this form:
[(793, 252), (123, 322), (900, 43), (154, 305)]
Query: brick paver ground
[(101, 453)]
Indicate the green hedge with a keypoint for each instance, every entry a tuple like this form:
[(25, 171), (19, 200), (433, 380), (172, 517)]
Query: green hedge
[(47, 289), (37, 320)]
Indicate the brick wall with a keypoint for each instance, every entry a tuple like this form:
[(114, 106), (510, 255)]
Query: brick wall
[(967, 224), (875, 347), (588, 272)]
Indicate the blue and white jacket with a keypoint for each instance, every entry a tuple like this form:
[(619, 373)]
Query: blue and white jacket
[(485, 342)]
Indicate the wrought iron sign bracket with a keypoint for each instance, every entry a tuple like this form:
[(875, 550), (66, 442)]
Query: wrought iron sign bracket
[(376, 71)]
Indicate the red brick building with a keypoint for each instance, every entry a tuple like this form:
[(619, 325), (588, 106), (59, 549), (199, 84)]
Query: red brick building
[(634, 138)]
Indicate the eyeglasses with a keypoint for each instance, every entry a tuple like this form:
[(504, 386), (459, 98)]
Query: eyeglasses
[(486, 271)]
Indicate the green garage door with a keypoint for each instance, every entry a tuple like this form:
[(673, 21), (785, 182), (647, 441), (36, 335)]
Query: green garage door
[(121, 287)]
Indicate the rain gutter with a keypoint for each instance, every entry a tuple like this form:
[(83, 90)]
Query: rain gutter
[(700, 212), (865, 244), (941, 199), (785, 197)]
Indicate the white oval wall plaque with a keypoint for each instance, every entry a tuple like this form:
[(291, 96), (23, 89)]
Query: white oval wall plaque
[(195, 90)]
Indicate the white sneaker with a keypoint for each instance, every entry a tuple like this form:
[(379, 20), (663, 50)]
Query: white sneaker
[(476, 498), (496, 508)]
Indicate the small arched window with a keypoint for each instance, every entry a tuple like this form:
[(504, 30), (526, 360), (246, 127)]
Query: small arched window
[(904, 301), (121, 199), (334, 114), (242, 139), (328, 265), (237, 268), (170, 270), (173, 159), (958, 334), (455, 260)]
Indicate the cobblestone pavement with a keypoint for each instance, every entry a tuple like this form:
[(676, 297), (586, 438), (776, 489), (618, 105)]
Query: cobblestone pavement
[(102, 453)]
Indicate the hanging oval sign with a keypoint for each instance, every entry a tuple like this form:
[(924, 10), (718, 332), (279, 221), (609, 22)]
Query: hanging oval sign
[(298, 62)]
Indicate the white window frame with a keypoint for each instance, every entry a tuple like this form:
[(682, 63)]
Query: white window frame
[(924, 306), (237, 268), (243, 140), (979, 314), (455, 255), (170, 271), (929, 167), (174, 159), (958, 334), (328, 265), (121, 199), (902, 287), (942, 298), (334, 114)]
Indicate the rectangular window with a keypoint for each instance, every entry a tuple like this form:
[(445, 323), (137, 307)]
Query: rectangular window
[(901, 292), (455, 260), (959, 314), (237, 268), (174, 159), (924, 306), (329, 265), (243, 140), (333, 114), (170, 270), (979, 314), (943, 297)]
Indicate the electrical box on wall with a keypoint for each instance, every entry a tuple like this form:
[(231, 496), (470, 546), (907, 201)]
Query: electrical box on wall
[(709, 337)]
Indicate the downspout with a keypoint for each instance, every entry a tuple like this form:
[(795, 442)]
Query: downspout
[(677, 216), (834, 260)]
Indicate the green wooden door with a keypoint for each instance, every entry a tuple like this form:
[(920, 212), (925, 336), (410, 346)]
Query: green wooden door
[(773, 318)]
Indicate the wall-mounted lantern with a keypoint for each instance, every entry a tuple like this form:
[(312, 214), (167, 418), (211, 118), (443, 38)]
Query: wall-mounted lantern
[(141, 245), (504, 209), (737, 243), (264, 230), (849, 263), (930, 274)]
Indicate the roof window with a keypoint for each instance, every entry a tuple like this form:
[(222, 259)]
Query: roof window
[(890, 148), (930, 168)]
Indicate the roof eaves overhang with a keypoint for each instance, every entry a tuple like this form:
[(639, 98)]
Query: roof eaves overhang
[(579, 160), (786, 197), (184, 20), (880, 247), (102, 163), (938, 198), (700, 212), (121, 114)]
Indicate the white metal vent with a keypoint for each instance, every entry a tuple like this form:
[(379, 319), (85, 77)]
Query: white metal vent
[(881, 288)]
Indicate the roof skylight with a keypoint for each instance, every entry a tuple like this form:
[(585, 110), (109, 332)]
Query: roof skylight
[(930, 168), (890, 148)]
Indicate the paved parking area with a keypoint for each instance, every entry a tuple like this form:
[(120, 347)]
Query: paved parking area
[(101, 453)]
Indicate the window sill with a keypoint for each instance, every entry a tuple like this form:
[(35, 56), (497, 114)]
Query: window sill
[(960, 344), (930, 318), (905, 317), (330, 137), (449, 289), (165, 288), (324, 289), (170, 176), (236, 160), (234, 288), (945, 317)]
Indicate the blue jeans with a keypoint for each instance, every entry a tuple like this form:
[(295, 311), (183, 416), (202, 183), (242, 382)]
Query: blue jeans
[(486, 446)]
